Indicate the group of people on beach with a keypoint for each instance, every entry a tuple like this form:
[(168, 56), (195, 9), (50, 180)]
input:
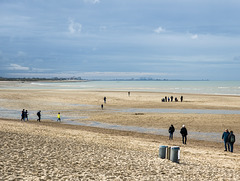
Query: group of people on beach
[(24, 116), (229, 140), (183, 132), (227, 137), (168, 99)]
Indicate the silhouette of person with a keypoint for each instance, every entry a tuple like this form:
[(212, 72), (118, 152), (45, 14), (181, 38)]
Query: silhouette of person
[(184, 133), (225, 139), (23, 115), (181, 98), (39, 116), (26, 115), (171, 131)]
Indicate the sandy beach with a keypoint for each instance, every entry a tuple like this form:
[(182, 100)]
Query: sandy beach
[(55, 151)]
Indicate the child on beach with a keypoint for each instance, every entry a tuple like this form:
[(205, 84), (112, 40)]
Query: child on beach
[(58, 116)]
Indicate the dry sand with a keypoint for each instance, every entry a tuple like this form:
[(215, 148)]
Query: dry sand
[(55, 151)]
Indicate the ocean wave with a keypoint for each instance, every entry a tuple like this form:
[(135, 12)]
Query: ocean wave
[(223, 87)]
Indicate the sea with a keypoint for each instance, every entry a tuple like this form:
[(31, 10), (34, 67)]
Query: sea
[(194, 87)]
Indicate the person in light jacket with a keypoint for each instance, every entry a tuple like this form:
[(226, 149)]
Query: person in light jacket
[(58, 117)]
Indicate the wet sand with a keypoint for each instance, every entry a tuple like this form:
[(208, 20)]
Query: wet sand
[(87, 104), (56, 151)]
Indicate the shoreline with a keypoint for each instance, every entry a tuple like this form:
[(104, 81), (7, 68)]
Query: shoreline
[(148, 136), (21, 85)]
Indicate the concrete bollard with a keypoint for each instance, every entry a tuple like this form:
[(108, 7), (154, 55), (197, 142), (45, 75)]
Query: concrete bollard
[(162, 151), (175, 154), (168, 152)]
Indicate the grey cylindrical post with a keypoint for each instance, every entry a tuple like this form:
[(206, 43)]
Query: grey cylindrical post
[(175, 154), (162, 151), (168, 152)]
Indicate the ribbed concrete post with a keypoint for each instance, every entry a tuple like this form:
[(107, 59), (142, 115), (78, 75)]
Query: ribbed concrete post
[(162, 151), (175, 154), (168, 152)]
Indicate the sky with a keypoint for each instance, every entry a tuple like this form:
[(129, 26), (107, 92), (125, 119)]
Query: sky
[(115, 39)]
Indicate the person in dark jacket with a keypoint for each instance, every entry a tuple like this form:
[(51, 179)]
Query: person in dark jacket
[(225, 139), (184, 133), (26, 114), (181, 98), (171, 131), (231, 140), (39, 116), (23, 115)]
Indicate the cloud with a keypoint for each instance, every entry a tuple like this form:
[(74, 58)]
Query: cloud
[(91, 75), (120, 74), (195, 36), (236, 58), (159, 30), (41, 70), (21, 54), (74, 27), (17, 67), (92, 1), (102, 28)]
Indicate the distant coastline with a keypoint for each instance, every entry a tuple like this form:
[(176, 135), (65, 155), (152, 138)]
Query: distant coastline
[(43, 79), (79, 79)]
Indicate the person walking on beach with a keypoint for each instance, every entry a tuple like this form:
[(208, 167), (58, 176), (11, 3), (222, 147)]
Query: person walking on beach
[(184, 133), (39, 116), (102, 106), (26, 115), (181, 98), (128, 94), (171, 131), (225, 139), (23, 115), (105, 100), (231, 140), (58, 117)]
